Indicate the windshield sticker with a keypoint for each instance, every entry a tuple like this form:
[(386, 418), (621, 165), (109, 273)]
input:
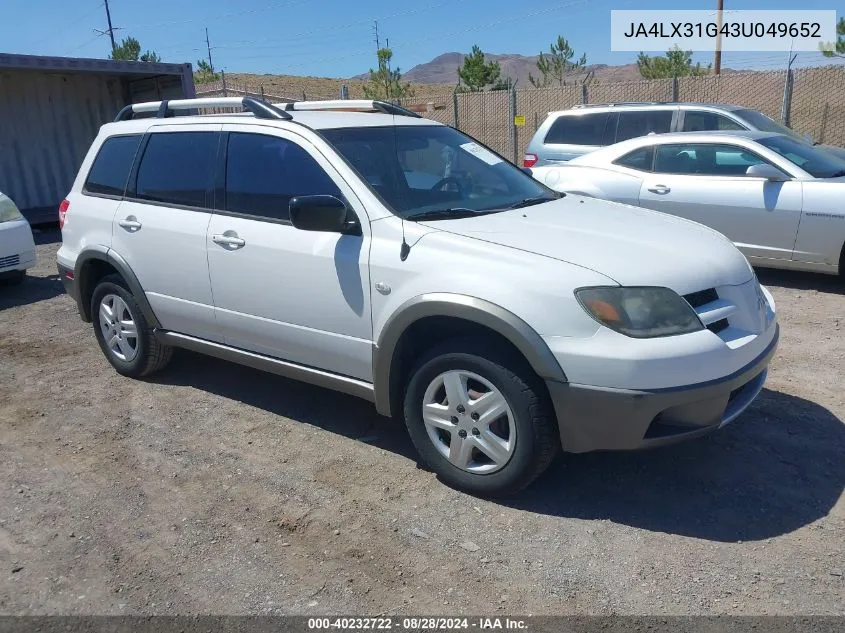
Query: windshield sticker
[(479, 152)]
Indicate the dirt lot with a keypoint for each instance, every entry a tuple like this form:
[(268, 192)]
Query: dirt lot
[(219, 489)]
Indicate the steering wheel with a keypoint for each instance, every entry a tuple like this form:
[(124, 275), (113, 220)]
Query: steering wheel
[(441, 185)]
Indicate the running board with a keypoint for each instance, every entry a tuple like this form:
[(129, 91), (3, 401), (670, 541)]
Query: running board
[(318, 377)]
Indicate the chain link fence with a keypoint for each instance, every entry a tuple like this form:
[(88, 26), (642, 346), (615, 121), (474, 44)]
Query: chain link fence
[(810, 100)]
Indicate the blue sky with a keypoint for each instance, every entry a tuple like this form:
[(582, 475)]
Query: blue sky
[(335, 38)]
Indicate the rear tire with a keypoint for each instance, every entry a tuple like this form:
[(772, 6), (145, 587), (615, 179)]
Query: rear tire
[(497, 435), (124, 335)]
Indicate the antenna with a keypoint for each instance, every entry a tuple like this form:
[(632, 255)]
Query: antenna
[(405, 249)]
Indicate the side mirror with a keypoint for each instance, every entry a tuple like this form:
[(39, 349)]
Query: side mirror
[(326, 214), (769, 172)]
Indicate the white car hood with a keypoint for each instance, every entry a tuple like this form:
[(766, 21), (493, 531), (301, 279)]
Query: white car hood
[(633, 246)]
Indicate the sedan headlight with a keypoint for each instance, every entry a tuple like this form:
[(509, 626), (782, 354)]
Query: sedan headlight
[(640, 312), (8, 209)]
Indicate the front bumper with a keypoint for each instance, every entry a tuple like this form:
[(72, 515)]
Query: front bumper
[(601, 418)]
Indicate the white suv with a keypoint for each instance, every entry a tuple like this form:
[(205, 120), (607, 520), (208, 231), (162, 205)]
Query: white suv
[(359, 247)]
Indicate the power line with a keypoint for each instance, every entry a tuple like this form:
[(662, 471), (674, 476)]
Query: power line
[(274, 5), (322, 34), (509, 20), (66, 26)]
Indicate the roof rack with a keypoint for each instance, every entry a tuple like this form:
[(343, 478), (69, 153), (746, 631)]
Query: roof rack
[(579, 106), (259, 108), (353, 105)]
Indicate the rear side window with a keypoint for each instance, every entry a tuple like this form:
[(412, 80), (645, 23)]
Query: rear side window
[(700, 121), (178, 168), (636, 123), (264, 172), (704, 159), (582, 129), (640, 159), (110, 170)]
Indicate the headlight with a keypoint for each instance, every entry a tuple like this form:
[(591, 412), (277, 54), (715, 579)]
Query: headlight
[(640, 312), (8, 210)]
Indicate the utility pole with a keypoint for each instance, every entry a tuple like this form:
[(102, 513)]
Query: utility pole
[(111, 29), (208, 46), (717, 60), (375, 30)]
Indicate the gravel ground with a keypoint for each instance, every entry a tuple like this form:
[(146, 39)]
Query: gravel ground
[(213, 488)]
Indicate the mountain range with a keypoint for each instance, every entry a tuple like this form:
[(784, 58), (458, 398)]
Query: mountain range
[(443, 69)]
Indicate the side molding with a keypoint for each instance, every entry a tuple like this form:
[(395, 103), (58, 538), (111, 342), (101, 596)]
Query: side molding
[(490, 315), (319, 377), (102, 253)]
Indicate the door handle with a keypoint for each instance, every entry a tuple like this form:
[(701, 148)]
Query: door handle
[(661, 189), (228, 240), (130, 223)]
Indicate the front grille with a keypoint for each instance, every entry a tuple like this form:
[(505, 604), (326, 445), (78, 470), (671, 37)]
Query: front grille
[(698, 299), (11, 260), (718, 326), (713, 310)]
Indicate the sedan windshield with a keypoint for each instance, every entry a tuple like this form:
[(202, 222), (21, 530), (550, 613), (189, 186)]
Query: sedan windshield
[(816, 162), (760, 121), (433, 172)]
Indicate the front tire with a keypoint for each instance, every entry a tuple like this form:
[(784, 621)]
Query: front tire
[(124, 335), (479, 418)]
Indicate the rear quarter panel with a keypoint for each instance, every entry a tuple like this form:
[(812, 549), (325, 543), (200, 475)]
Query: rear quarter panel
[(605, 184)]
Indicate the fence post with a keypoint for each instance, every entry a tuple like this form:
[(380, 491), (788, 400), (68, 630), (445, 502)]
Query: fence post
[(223, 77), (786, 104), (455, 106), (675, 89), (304, 97), (514, 132), (262, 93), (585, 98)]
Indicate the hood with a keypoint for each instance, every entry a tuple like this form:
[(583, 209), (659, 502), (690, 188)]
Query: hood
[(633, 246)]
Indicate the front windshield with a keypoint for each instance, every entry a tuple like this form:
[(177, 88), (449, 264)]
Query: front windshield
[(816, 162), (760, 121), (432, 170)]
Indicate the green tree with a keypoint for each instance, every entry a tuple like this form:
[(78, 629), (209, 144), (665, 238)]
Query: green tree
[(386, 82), (129, 50), (676, 63), (554, 66), (838, 49), (477, 73), (205, 73)]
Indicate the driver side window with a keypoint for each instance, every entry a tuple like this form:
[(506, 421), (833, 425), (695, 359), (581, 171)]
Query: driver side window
[(704, 159)]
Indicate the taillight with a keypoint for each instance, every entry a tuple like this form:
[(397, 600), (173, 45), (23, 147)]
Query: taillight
[(63, 208), (529, 160)]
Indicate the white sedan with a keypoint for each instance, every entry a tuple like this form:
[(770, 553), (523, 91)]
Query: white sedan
[(17, 248), (780, 201)]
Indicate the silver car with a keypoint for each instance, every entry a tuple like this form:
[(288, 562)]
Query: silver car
[(781, 201), (566, 134)]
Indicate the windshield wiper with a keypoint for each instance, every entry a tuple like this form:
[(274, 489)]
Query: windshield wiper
[(452, 213), (535, 200), (837, 174)]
